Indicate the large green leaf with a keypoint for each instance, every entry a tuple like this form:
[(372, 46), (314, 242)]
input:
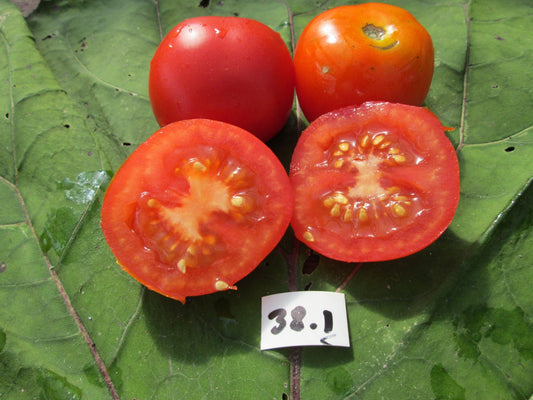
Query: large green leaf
[(454, 321)]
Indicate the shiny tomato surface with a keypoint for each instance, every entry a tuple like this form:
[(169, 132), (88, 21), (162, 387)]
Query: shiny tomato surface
[(196, 208), (351, 54), (230, 69), (373, 183)]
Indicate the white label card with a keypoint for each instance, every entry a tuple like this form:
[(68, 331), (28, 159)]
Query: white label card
[(307, 318)]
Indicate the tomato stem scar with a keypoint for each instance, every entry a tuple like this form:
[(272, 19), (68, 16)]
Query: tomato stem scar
[(373, 32)]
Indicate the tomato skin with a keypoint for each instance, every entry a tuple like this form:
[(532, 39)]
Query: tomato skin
[(368, 52), (373, 183), (230, 69), (196, 207)]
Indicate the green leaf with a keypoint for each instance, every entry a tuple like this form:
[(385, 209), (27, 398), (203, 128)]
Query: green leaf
[(454, 321)]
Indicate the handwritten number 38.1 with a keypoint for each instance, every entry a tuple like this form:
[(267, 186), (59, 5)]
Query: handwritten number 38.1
[(297, 315)]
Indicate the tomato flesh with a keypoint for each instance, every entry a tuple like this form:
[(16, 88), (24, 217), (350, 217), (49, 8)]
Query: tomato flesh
[(373, 183), (196, 208)]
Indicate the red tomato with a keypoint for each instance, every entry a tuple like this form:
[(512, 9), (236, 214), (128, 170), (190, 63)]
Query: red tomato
[(373, 183), (229, 69), (196, 207), (351, 54)]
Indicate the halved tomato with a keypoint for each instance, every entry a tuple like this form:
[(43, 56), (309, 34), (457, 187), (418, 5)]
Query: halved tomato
[(373, 183), (196, 208)]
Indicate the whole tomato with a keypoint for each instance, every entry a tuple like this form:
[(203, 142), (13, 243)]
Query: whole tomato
[(230, 69), (351, 54)]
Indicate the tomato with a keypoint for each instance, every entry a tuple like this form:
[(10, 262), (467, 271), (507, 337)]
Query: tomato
[(373, 183), (230, 69), (351, 54), (196, 207)]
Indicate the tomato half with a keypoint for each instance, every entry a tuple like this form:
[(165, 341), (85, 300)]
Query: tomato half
[(351, 54), (230, 69), (373, 183), (196, 208)]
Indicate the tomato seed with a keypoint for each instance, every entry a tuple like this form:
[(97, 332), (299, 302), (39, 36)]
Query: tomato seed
[(347, 215), (399, 158), (182, 266), (378, 139), (384, 145), (363, 215), (344, 146), (308, 236), (198, 166), (221, 285), (399, 210), (335, 210), (153, 203), (365, 140), (237, 201), (394, 150)]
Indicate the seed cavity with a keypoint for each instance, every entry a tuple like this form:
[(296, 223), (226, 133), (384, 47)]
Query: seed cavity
[(364, 154)]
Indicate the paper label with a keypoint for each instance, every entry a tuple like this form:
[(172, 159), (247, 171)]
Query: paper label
[(307, 318)]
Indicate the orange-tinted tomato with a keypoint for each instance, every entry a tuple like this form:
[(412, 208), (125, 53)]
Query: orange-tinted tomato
[(351, 54), (373, 183), (196, 208), (230, 69)]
